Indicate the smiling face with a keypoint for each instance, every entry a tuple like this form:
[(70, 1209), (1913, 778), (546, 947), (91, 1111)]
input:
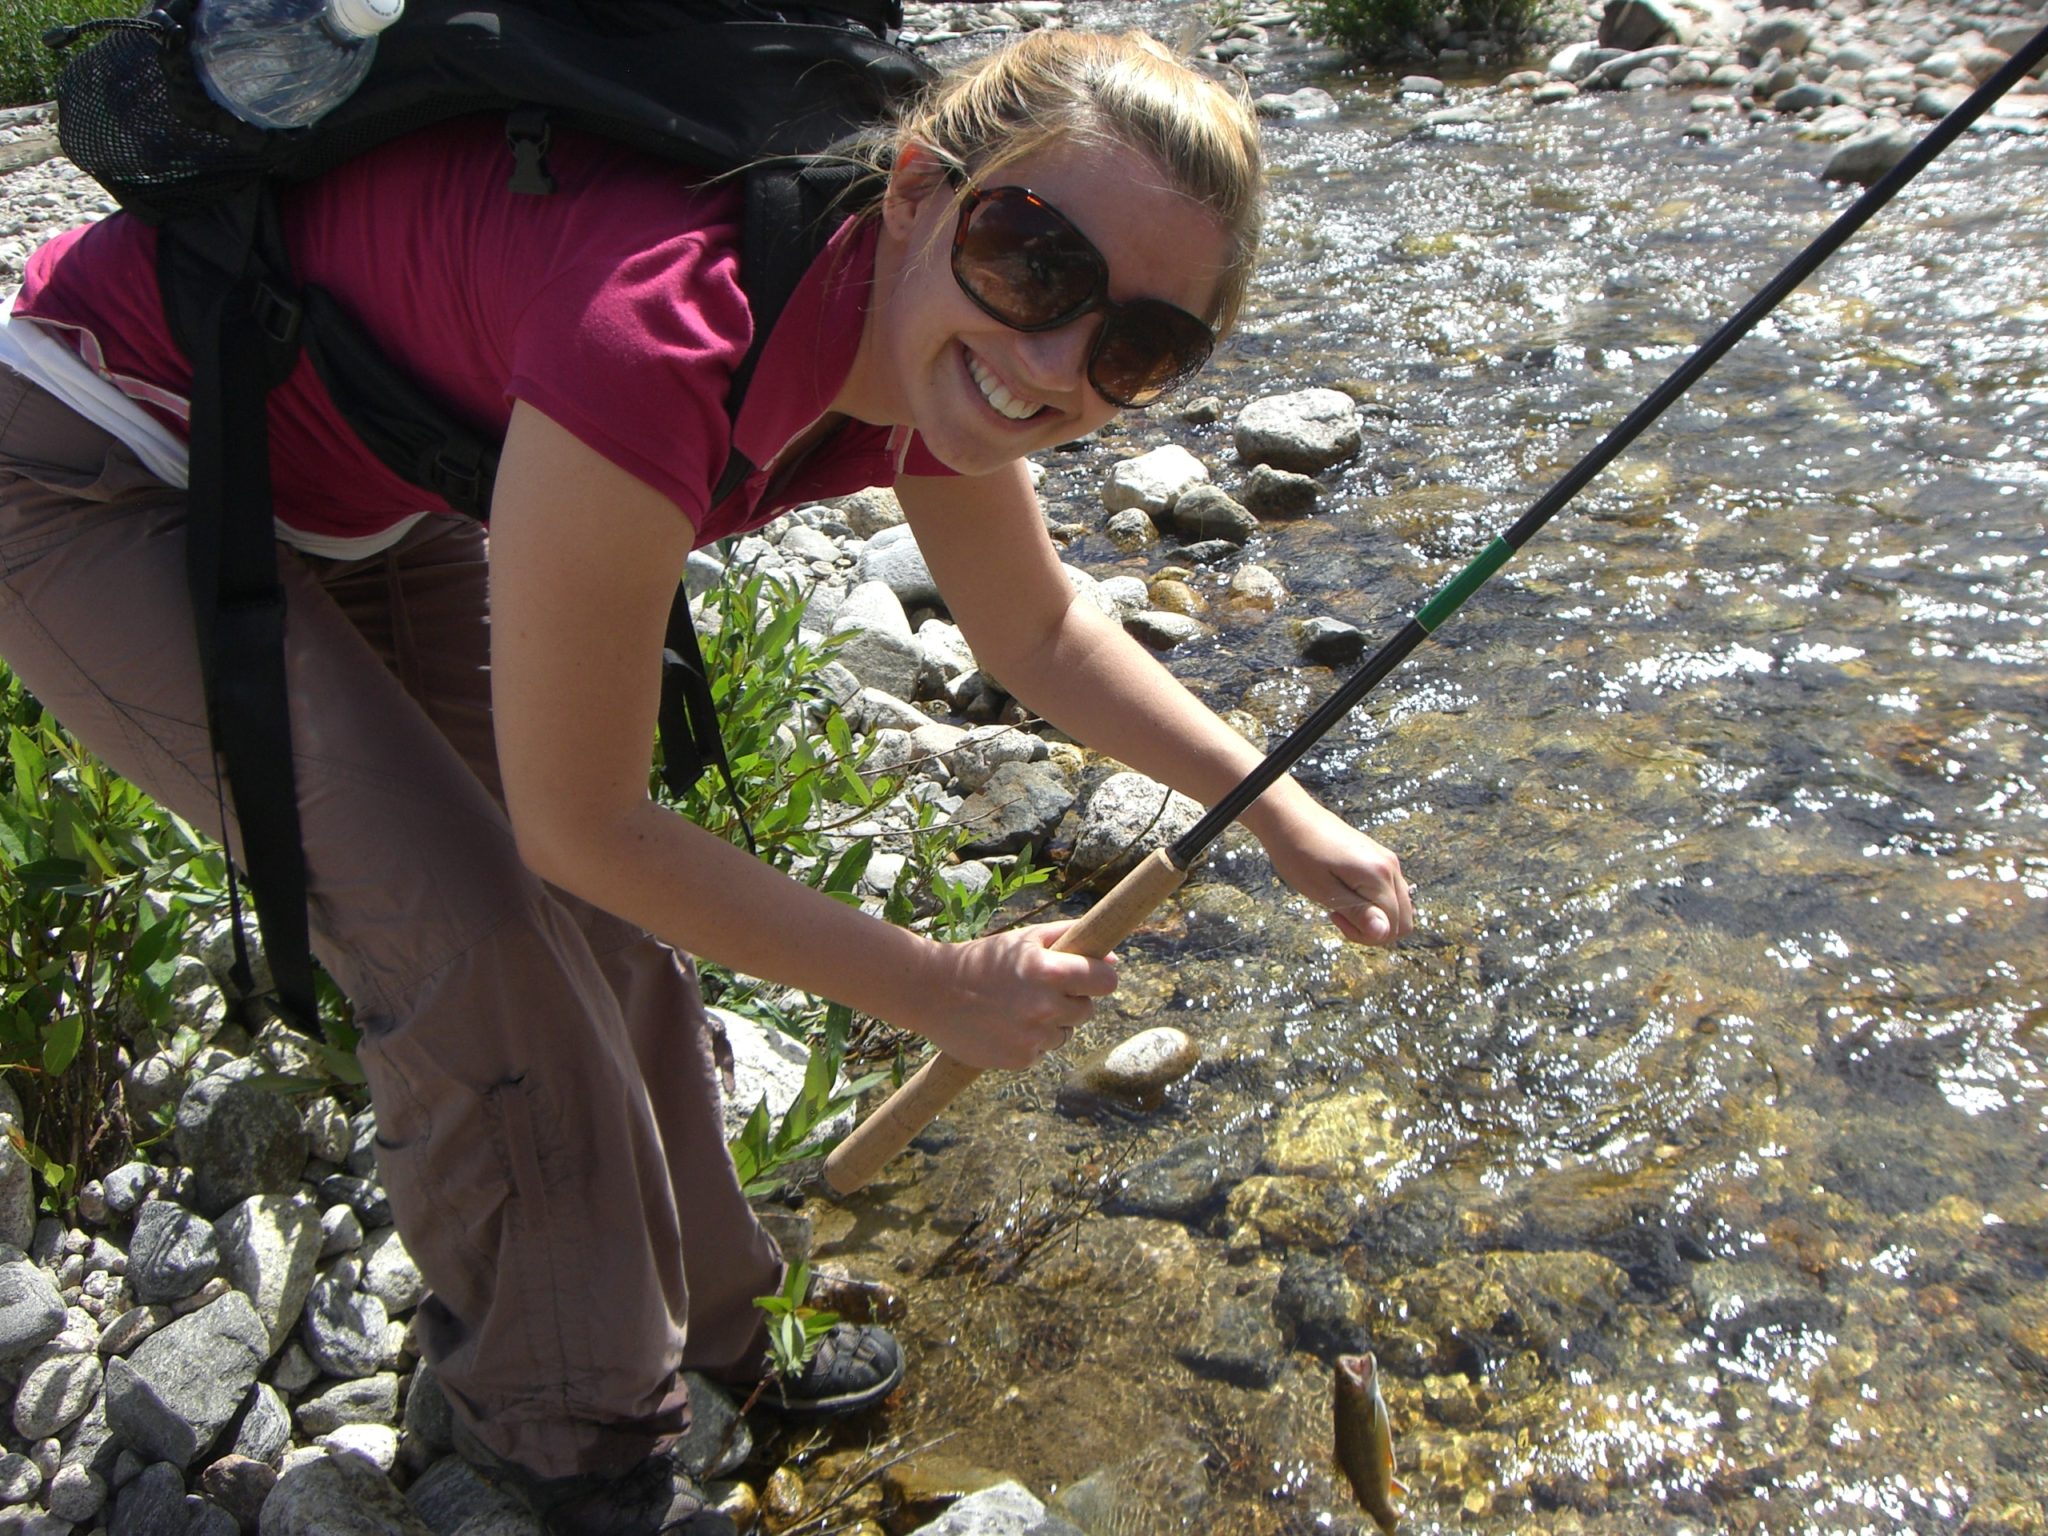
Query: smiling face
[(980, 393)]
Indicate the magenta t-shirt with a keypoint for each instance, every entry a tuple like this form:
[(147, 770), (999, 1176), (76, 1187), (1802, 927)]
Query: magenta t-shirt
[(612, 305)]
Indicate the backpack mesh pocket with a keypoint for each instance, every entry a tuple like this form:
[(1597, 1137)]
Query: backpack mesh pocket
[(131, 114)]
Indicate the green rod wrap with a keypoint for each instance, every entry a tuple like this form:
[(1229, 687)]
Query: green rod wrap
[(1451, 596)]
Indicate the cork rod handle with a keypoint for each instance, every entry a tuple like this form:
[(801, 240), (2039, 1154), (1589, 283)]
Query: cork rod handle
[(941, 1080)]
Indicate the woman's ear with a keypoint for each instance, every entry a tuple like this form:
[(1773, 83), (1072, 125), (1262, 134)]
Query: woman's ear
[(919, 172)]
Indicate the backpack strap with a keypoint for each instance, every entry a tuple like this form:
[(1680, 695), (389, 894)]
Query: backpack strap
[(242, 332)]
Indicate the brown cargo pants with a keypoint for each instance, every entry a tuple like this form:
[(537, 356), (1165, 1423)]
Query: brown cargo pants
[(548, 1115)]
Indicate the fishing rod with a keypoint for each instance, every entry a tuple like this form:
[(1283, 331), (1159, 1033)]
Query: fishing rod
[(919, 1101)]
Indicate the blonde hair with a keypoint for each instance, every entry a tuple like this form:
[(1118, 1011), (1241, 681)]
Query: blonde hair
[(1051, 89)]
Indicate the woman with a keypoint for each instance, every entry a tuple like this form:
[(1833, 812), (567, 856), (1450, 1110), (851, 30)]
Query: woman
[(1064, 227)]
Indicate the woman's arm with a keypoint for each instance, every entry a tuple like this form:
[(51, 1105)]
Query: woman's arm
[(986, 545), (584, 562)]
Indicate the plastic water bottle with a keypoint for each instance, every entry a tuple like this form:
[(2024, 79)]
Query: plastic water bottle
[(286, 63)]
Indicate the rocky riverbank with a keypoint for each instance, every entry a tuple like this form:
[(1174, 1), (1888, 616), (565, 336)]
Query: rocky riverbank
[(219, 1341)]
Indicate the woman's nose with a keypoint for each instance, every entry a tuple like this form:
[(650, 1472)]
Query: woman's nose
[(1058, 359)]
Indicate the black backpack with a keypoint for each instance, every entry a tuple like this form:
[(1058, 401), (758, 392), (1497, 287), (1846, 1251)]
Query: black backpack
[(719, 85)]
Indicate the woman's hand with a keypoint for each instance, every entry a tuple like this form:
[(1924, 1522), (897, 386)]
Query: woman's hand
[(1336, 866), (1006, 1000)]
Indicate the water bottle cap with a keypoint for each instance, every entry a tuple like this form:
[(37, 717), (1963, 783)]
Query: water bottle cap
[(364, 18)]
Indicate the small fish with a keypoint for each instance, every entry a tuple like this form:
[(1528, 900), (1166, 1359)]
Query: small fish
[(1365, 1441)]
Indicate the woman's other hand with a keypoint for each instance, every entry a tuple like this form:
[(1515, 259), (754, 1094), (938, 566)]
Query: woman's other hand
[(1349, 875)]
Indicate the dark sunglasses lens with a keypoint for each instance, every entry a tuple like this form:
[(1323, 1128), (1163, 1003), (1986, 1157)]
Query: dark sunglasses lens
[(1024, 263), (1145, 350)]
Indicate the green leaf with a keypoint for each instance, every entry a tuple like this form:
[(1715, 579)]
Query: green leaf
[(60, 1045)]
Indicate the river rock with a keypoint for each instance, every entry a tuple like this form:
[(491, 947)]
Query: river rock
[(17, 1179), (1293, 1212), (171, 1253), (77, 1495), (263, 1428), (893, 558), (1790, 35), (1305, 105), (269, 1245), (1137, 1071), (1126, 819), (239, 1486), (375, 1443), (1152, 482), (174, 1394), (1005, 1510), (1163, 631), (452, 1496), (1235, 1341), (866, 513), (1430, 1321), (1166, 1485), (1939, 100), (338, 1495), (1272, 493), (1866, 157), (239, 1139), (1131, 530), (1253, 587), (56, 1388), (364, 1196), (986, 748), (1319, 1308), (1740, 1297), (389, 1273), (718, 1440), (31, 1311), (1306, 431), (1328, 642), (1185, 1182), (153, 1503), (1347, 1136), (364, 1400), (1633, 24), (1208, 512), (1019, 807), (880, 649), (343, 1327)]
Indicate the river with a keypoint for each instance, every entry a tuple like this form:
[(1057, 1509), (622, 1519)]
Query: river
[(1686, 1171)]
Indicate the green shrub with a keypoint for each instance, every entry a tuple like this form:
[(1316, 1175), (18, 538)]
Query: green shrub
[(802, 781), (99, 887), (1383, 30), (28, 70)]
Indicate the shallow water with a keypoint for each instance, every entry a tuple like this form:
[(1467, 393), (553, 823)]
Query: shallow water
[(1687, 1169)]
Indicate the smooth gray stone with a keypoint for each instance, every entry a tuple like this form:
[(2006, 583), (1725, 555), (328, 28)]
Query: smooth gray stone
[(127, 1185), (77, 1495), (17, 1194), (172, 1252), (1163, 631), (31, 1311), (455, 1499), (1208, 512), (365, 1197), (171, 1398), (1329, 642), (364, 1400), (1305, 431), (269, 1246), (389, 1273), (263, 1428), (428, 1418), (54, 1393), (1185, 1182), (343, 1328), (1126, 818), (893, 558), (1277, 493), (1870, 154), (20, 1478), (338, 1496), (151, 1504), (1019, 807), (1008, 1509), (718, 1439), (1235, 1341), (1319, 1308), (238, 1139)]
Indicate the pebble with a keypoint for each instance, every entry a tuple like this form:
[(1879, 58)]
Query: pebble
[(1137, 1071)]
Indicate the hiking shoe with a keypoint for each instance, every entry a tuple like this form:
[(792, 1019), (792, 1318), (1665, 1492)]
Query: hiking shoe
[(655, 1498), (856, 1366)]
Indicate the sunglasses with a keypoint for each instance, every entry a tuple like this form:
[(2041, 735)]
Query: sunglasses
[(1024, 264)]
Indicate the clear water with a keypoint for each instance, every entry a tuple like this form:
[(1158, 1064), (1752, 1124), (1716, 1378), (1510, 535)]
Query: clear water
[(1687, 1170)]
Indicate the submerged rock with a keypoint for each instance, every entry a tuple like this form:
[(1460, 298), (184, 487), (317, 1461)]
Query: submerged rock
[(1137, 1071)]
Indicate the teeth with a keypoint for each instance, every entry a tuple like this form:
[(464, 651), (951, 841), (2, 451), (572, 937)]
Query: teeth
[(1005, 403)]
